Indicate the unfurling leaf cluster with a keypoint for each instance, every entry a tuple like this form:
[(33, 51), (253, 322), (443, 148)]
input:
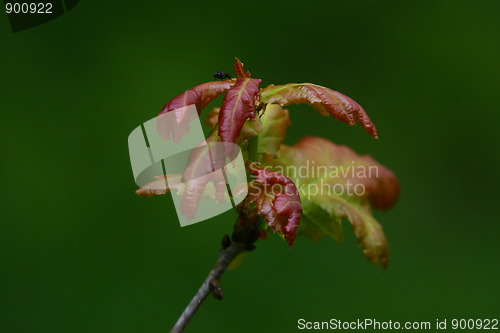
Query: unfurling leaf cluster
[(287, 202)]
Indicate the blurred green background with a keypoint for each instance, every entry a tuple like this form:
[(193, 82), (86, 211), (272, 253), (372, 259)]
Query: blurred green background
[(81, 252)]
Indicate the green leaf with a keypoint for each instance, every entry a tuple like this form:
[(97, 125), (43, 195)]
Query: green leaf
[(318, 221), (275, 122), (326, 176)]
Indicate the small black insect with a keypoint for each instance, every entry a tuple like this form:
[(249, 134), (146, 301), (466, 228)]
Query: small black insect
[(222, 75)]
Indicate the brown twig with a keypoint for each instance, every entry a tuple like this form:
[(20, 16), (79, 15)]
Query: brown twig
[(211, 284)]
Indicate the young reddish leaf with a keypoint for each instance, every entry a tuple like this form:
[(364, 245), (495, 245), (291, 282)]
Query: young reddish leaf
[(237, 107), (335, 183), (174, 125), (202, 164), (321, 99), (200, 159), (156, 187), (275, 122), (203, 167), (240, 69), (191, 190), (251, 128), (194, 191), (277, 200), (200, 95)]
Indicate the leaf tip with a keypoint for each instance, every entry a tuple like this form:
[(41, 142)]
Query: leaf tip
[(240, 69)]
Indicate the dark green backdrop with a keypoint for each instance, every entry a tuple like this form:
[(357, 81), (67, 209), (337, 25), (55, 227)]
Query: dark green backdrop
[(80, 252)]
